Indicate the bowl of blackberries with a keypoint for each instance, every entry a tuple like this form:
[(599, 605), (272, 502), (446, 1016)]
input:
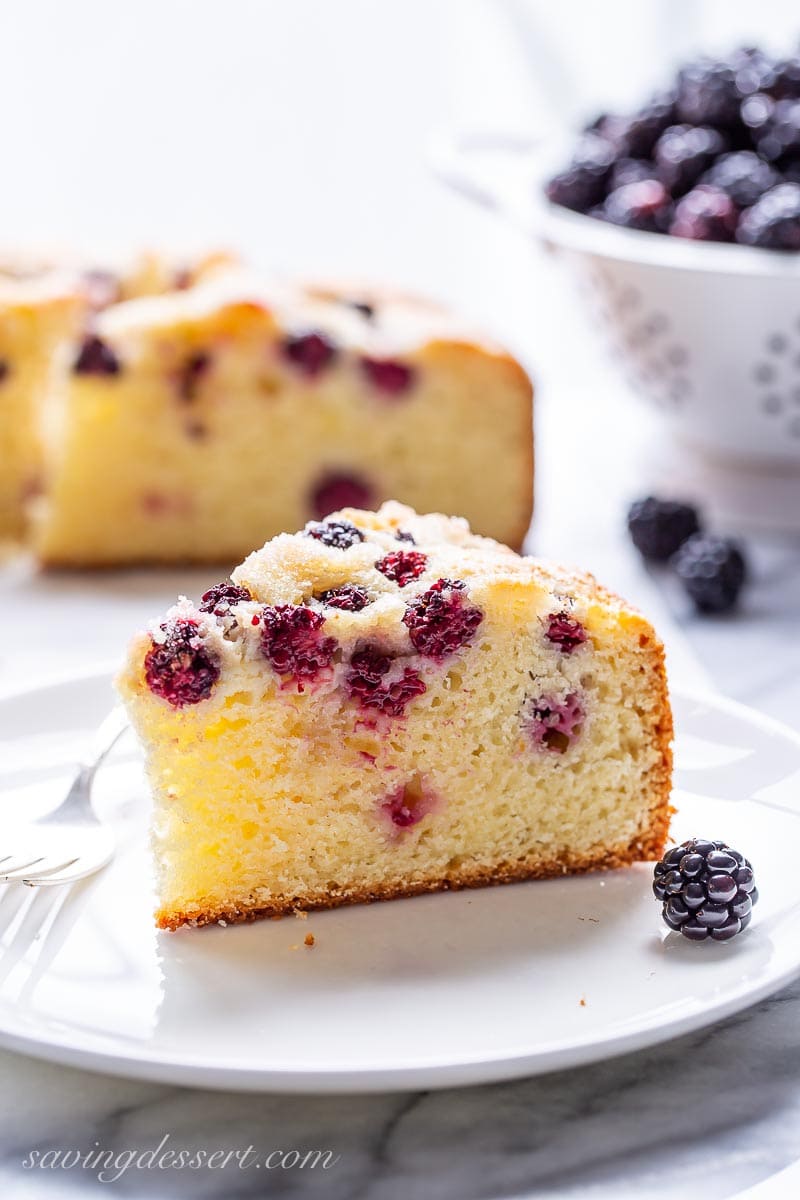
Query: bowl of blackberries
[(684, 218)]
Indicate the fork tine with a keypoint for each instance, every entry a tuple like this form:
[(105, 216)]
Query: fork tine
[(79, 871), (43, 872), (14, 870)]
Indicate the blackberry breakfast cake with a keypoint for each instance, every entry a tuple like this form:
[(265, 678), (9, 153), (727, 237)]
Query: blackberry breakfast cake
[(39, 312), (199, 423), (44, 306), (385, 704)]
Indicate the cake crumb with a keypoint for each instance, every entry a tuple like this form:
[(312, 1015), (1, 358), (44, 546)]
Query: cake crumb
[(301, 914), (309, 939), (583, 1002)]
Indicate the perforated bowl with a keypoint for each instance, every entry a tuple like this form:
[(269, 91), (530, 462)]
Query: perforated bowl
[(708, 333)]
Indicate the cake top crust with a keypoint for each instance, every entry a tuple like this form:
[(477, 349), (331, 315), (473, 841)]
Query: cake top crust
[(375, 322), (292, 567)]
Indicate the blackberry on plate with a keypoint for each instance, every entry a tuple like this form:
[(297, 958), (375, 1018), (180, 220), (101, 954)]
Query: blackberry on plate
[(660, 527), (706, 890), (743, 175), (644, 205), (774, 221), (712, 571), (705, 214), (684, 152), (583, 184)]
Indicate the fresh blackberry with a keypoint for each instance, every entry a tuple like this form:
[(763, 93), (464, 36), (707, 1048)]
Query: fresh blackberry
[(707, 94), (684, 152), (743, 175), (660, 527), (631, 170), (705, 214), (774, 221), (583, 184), (636, 135), (755, 71), (712, 571), (774, 125), (706, 890), (644, 205), (786, 80)]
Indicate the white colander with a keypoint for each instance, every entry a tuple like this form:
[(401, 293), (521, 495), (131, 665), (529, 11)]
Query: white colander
[(708, 333)]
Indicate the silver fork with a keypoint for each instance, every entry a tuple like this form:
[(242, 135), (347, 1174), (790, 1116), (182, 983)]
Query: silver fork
[(70, 842)]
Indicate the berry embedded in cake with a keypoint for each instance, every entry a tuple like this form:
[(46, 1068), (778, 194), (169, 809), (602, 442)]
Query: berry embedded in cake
[(206, 421), (385, 704)]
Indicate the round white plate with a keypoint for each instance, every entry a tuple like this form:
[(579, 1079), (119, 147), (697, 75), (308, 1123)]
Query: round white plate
[(449, 989)]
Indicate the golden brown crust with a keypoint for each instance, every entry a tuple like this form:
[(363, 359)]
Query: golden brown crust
[(646, 848)]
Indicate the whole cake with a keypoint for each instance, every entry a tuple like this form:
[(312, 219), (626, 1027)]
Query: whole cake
[(39, 313), (198, 424), (386, 704), (44, 307)]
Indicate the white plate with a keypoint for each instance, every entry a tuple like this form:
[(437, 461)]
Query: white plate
[(441, 990)]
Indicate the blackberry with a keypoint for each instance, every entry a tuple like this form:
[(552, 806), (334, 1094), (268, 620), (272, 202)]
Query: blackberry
[(402, 566), (333, 492), (191, 374), (565, 632), (755, 71), (553, 722), (706, 890), (644, 205), (583, 184), (712, 570), (441, 620), (376, 683), (95, 357), (388, 376), (636, 135), (707, 94), (349, 597), (220, 598), (660, 527), (705, 214), (340, 535), (774, 221), (181, 668), (774, 125), (743, 175), (785, 83), (684, 152), (293, 643), (311, 352), (631, 170)]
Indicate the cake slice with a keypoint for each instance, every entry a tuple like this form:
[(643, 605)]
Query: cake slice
[(386, 704), (197, 425)]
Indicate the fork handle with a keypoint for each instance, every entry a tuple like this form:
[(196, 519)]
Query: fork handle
[(105, 738)]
